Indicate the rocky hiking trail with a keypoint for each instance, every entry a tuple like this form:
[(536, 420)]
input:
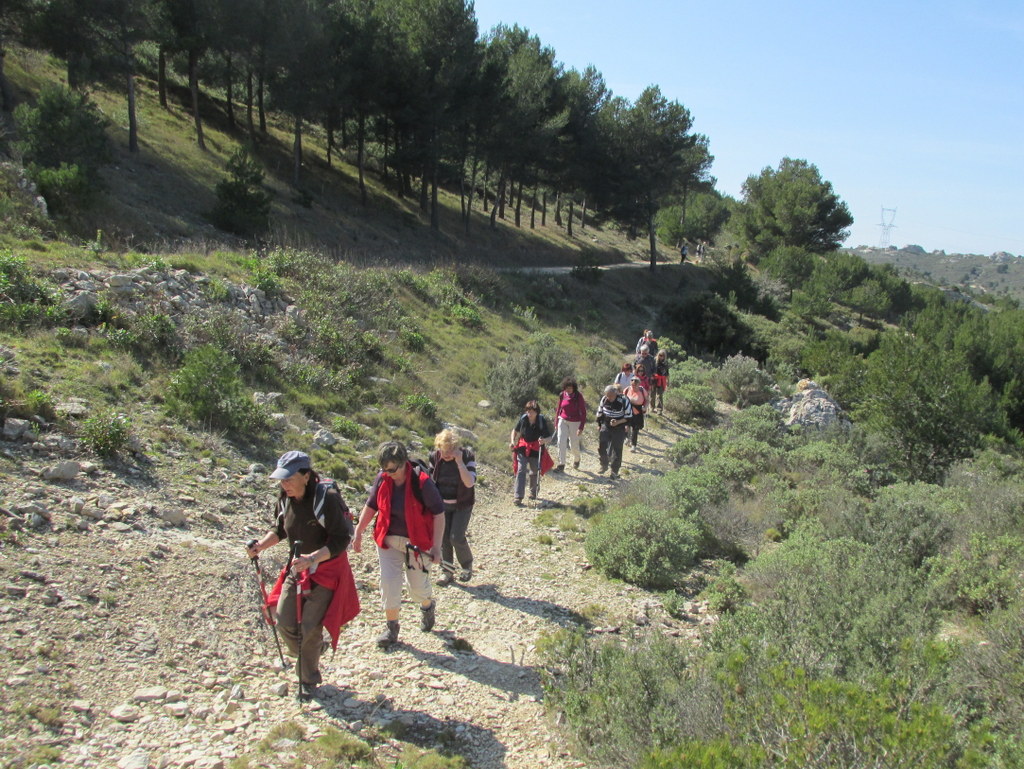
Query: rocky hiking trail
[(131, 636)]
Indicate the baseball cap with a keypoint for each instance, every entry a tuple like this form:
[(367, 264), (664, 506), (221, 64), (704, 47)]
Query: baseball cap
[(290, 463)]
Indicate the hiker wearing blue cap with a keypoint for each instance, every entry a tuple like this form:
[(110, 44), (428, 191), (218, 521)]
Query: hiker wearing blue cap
[(315, 520)]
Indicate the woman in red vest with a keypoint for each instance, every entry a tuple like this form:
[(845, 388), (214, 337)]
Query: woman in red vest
[(408, 532)]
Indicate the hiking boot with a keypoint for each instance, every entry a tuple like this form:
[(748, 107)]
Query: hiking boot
[(389, 636), (446, 578), (604, 469), (560, 469), (427, 617), (533, 495), (517, 502), (466, 575), (307, 691), (576, 465)]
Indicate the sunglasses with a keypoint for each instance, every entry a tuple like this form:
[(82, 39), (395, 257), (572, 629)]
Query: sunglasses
[(391, 470)]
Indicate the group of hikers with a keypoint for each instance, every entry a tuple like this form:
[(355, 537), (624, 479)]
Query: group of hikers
[(420, 512)]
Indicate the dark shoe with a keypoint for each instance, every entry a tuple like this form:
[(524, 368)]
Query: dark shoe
[(533, 495), (427, 618), (466, 575), (560, 469), (604, 469), (576, 465), (307, 691), (517, 502), (446, 578), (389, 636), (614, 476)]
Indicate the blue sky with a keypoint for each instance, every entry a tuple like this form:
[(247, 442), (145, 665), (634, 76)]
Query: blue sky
[(916, 106)]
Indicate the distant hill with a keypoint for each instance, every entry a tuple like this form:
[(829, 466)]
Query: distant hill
[(1001, 273)]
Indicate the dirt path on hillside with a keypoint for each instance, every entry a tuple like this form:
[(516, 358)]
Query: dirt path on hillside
[(488, 701), (131, 639)]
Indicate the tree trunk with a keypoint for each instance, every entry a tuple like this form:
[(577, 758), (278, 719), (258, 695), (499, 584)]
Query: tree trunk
[(297, 154), (533, 209), (583, 216), (248, 104), (330, 137), (487, 180), (544, 209), (259, 102), (133, 121), (424, 181), (651, 235), (6, 97), (230, 91), (344, 130), (500, 196), (519, 202), (499, 201), (558, 209), (472, 191), (360, 150), (161, 76), (193, 87), (568, 219), (435, 215)]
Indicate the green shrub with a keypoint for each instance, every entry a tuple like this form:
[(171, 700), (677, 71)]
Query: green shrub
[(105, 433), (834, 607), (524, 375), (724, 594), (64, 188), (24, 301), (707, 325), (64, 143), (983, 575), (620, 699), (421, 404), (208, 389), (905, 523), (243, 206), (587, 269), (690, 402), (467, 315), (646, 547), (414, 341), (783, 717), (740, 381), (346, 427)]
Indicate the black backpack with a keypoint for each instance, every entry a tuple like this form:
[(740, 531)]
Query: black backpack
[(319, 497)]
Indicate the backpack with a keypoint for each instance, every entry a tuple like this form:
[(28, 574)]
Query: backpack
[(319, 497), (416, 479)]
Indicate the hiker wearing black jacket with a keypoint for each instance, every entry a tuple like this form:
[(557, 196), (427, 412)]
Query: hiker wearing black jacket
[(613, 412)]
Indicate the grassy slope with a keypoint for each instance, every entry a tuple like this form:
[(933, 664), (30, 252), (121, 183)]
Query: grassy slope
[(157, 198), (156, 201)]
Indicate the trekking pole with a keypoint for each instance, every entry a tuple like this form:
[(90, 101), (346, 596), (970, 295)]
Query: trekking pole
[(266, 609), (298, 614)]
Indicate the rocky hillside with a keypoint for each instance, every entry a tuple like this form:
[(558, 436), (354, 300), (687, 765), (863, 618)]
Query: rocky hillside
[(129, 626), (131, 635)]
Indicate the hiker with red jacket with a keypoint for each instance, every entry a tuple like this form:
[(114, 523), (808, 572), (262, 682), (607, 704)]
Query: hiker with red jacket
[(409, 529), (570, 419), (529, 451), (312, 512)]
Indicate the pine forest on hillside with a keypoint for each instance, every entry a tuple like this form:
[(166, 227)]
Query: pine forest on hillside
[(236, 227)]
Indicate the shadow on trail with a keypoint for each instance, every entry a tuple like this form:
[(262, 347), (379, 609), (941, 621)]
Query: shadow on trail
[(425, 731), (517, 680), (560, 615)]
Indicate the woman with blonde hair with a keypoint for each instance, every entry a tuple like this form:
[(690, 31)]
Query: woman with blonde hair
[(453, 469)]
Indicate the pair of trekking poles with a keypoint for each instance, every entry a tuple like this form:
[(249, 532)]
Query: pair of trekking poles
[(268, 614)]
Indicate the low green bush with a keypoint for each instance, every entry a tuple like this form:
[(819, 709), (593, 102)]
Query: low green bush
[(690, 402), (983, 575), (620, 699), (106, 433), (243, 206), (526, 374), (724, 593), (741, 382), (208, 389), (646, 547)]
